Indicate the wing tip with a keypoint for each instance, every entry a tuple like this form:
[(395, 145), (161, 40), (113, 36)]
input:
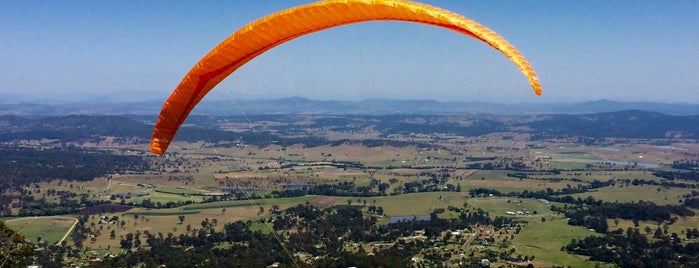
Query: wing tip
[(157, 147)]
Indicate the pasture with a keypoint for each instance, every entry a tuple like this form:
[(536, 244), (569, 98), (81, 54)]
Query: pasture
[(166, 221), (50, 229), (416, 203), (499, 206), (498, 180), (679, 227), (545, 239), (624, 194)]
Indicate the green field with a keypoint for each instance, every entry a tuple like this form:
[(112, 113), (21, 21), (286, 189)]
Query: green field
[(574, 155), (49, 229), (545, 239), (499, 206), (416, 203), (568, 165), (542, 239), (655, 194)]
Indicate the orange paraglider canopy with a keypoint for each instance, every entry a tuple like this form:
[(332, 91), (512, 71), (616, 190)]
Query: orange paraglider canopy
[(268, 32)]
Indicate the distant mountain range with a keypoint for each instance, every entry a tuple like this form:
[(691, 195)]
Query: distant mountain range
[(622, 124), (298, 105)]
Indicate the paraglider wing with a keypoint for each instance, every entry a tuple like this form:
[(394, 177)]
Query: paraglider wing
[(268, 32)]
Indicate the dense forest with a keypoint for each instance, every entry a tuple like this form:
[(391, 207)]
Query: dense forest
[(21, 167)]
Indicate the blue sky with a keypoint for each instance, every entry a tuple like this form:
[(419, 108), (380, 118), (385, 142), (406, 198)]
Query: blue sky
[(139, 50)]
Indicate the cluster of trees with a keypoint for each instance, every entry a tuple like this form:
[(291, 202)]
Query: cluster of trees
[(692, 202), (633, 249), (664, 183), (147, 203), (14, 250), (41, 207), (641, 210), (560, 195), (303, 228), (688, 164), (678, 175), (500, 165), (593, 213), (434, 183)]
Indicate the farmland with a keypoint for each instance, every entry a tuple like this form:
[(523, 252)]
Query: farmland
[(51, 230), (484, 195)]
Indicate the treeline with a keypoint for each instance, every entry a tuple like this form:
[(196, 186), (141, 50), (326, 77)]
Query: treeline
[(29, 206), (633, 249), (15, 251), (692, 202), (548, 193), (686, 164), (593, 213), (678, 175)]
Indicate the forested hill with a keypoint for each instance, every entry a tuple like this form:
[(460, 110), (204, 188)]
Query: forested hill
[(71, 128), (94, 128), (624, 124)]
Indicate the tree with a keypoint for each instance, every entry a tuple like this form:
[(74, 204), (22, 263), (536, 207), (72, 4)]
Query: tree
[(658, 233), (181, 219), (14, 251), (275, 209), (127, 242)]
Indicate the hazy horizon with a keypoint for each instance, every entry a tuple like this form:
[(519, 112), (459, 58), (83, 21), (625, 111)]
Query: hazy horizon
[(129, 51)]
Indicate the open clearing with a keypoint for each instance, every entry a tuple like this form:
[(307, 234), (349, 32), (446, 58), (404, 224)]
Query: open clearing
[(545, 239), (500, 206), (50, 229), (623, 194)]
